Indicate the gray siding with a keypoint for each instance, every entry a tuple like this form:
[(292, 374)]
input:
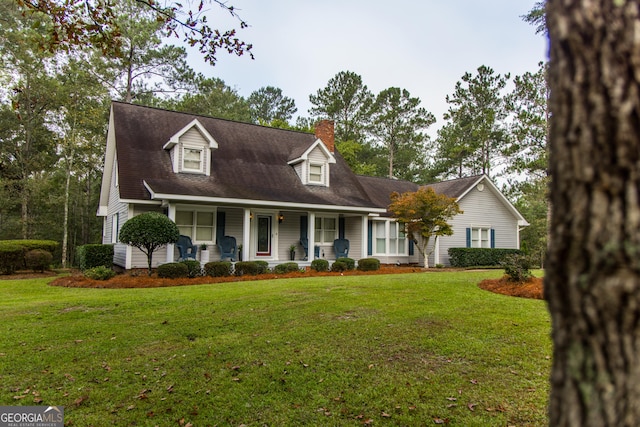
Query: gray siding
[(115, 206)]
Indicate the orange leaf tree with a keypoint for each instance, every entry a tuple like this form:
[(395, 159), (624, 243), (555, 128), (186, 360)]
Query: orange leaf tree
[(424, 213)]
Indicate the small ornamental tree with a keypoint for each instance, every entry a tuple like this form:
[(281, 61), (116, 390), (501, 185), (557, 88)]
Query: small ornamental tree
[(424, 213), (148, 232)]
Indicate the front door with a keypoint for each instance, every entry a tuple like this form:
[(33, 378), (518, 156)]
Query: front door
[(264, 235)]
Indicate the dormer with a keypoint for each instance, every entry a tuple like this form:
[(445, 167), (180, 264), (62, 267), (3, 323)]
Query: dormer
[(190, 149), (312, 166)]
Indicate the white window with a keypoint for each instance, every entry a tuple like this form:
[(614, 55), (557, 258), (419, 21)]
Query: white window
[(192, 159), (381, 237), (316, 173), (198, 225), (390, 238), (115, 227), (480, 237), (397, 239), (325, 229)]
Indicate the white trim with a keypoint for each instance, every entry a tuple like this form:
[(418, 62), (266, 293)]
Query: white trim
[(175, 139), (192, 147), (497, 192), (305, 156), (260, 203)]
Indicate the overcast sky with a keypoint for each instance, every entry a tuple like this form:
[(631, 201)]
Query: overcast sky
[(424, 46)]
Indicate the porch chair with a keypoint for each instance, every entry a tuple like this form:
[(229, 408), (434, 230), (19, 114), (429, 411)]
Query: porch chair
[(228, 247), (341, 248), (304, 242), (186, 248)]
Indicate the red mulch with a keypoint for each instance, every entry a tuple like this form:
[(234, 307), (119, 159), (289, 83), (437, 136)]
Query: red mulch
[(531, 289)]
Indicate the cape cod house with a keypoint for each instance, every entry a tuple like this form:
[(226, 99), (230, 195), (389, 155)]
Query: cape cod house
[(270, 189)]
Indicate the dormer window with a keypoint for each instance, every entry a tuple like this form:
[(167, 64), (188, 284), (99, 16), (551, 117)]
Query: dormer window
[(312, 165), (192, 159)]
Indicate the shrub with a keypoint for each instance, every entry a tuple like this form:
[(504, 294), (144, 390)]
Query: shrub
[(99, 273), (194, 269), (47, 245), (350, 262), (11, 257), (320, 265), (218, 268), (173, 270), (95, 255), (476, 257), (339, 266), (287, 267), (251, 268), (517, 267), (369, 264), (38, 260)]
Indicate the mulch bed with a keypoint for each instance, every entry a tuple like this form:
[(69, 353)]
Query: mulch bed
[(531, 289)]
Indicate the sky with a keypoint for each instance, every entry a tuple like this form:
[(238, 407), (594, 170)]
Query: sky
[(424, 46)]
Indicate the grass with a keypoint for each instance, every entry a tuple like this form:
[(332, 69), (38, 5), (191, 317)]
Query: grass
[(404, 349)]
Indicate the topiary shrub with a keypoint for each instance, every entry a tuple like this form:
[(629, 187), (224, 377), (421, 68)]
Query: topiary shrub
[(320, 265), (194, 269), (517, 268), (369, 264), (263, 267), (11, 257), (38, 260), (287, 267), (173, 270), (350, 262), (218, 268), (339, 266), (99, 273), (94, 255)]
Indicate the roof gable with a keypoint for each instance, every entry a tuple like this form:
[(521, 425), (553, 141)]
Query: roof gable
[(175, 139), (318, 144)]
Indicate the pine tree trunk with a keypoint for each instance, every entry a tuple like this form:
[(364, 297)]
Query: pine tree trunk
[(592, 281)]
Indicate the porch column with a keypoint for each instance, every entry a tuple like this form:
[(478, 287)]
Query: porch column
[(171, 213), (246, 234), (365, 236), (436, 251), (311, 234)]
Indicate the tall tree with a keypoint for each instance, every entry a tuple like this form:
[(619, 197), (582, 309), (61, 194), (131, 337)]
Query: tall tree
[(346, 100), (476, 113), (592, 281), (77, 24), (268, 104), (399, 125)]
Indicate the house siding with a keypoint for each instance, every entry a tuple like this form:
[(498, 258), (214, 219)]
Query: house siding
[(481, 208), (139, 258), (192, 137), (115, 206), (353, 232)]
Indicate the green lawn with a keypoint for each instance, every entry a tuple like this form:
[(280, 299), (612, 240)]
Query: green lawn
[(406, 349)]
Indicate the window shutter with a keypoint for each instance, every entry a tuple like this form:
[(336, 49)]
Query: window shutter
[(468, 237), (341, 227), (411, 249), (220, 220), (304, 227), (370, 238), (493, 238)]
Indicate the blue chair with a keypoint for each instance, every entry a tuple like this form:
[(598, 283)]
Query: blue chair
[(186, 248), (341, 248), (228, 247), (304, 242)]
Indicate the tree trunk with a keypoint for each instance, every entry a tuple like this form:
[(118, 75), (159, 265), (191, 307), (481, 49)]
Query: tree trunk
[(592, 281)]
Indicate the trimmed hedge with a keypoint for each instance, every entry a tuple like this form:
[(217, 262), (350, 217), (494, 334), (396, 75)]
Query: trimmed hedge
[(251, 268), (320, 265), (29, 245), (11, 257), (194, 269), (339, 266), (350, 262), (38, 260), (173, 270), (287, 267), (517, 267), (94, 255), (218, 268), (369, 264), (478, 257)]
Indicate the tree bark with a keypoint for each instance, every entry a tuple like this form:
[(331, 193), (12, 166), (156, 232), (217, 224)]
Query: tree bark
[(592, 282)]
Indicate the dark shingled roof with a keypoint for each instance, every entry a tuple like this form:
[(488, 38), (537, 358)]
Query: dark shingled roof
[(455, 187), (249, 163), (380, 189)]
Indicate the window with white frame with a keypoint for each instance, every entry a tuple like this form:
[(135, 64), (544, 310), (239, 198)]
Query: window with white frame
[(481, 237), (198, 225), (193, 159), (115, 227), (316, 173), (390, 238), (326, 229), (397, 239)]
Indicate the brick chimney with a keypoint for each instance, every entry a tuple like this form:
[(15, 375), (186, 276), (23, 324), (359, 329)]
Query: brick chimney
[(325, 132)]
